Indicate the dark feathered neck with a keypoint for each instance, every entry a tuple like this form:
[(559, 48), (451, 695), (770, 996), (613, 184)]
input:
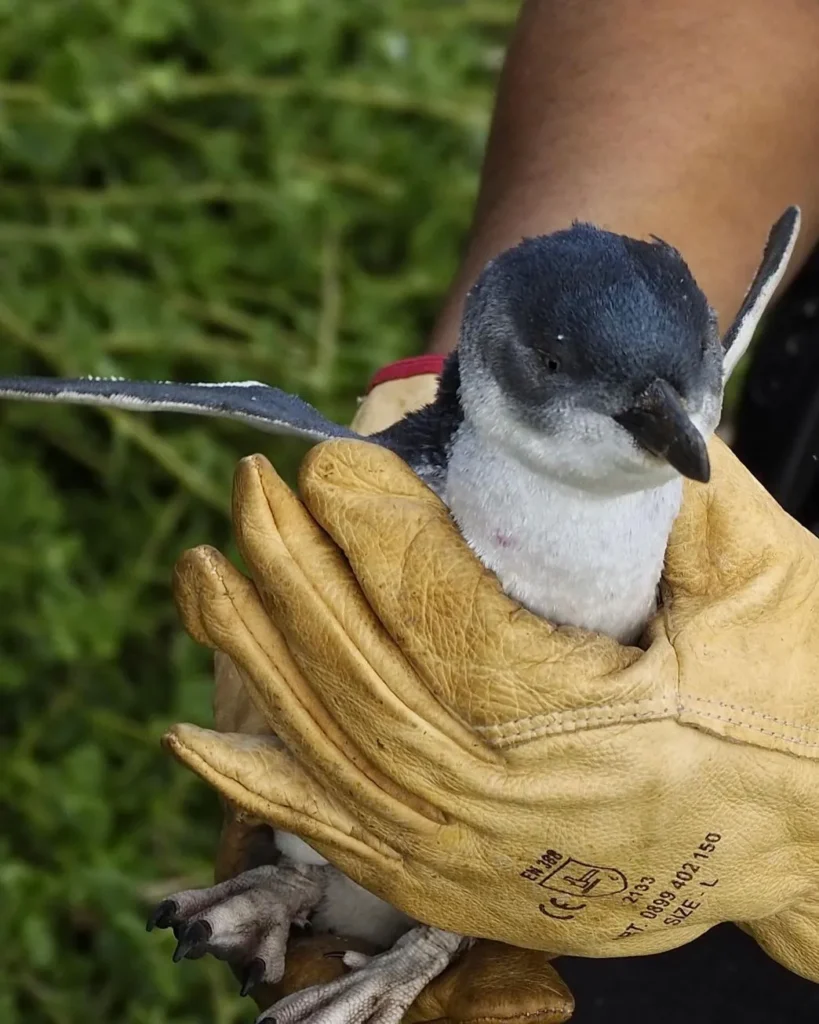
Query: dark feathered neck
[(424, 438)]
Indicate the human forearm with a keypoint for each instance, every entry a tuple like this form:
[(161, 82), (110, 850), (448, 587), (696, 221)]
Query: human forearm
[(692, 121)]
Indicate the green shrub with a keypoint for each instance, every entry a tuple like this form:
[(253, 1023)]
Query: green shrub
[(267, 189)]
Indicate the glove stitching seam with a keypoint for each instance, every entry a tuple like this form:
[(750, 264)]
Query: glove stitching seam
[(506, 733), (801, 727), (577, 717), (545, 1011), (755, 728)]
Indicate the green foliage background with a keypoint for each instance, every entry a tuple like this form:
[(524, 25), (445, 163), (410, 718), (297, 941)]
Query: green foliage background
[(191, 189)]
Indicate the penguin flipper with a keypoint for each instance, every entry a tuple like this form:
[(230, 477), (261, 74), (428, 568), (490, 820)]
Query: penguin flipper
[(251, 402), (775, 258)]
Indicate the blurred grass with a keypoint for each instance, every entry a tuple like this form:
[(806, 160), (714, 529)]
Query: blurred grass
[(267, 189)]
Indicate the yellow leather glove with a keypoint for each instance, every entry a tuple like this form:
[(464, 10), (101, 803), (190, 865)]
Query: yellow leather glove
[(491, 981), (495, 776)]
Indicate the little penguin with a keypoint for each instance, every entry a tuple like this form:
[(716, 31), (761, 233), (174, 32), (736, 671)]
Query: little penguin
[(587, 379)]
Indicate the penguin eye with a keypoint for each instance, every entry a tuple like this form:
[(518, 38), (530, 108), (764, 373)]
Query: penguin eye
[(552, 364)]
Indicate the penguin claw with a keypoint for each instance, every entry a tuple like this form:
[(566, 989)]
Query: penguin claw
[(162, 916), (254, 973), (193, 941)]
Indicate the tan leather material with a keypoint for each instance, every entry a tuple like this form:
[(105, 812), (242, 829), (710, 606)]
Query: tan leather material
[(745, 580), (391, 401), (492, 981), (567, 794)]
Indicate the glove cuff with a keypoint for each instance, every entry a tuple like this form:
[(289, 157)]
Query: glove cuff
[(396, 390), (414, 366)]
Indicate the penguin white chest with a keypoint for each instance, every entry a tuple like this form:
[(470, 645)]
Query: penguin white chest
[(570, 557)]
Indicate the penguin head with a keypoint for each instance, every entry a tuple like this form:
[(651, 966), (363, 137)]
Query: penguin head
[(594, 357)]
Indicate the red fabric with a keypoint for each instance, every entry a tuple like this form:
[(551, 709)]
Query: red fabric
[(415, 366)]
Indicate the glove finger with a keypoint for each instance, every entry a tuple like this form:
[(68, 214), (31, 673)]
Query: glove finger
[(791, 937), (339, 645), (221, 609), (263, 780), (728, 532), (493, 664), (257, 775), (742, 587), (499, 983)]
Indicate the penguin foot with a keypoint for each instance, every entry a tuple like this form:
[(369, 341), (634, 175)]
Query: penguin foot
[(245, 920), (379, 989)]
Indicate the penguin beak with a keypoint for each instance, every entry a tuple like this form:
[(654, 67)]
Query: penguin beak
[(658, 423)]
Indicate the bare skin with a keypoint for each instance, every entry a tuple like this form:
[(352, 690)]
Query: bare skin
[(690, 121)]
